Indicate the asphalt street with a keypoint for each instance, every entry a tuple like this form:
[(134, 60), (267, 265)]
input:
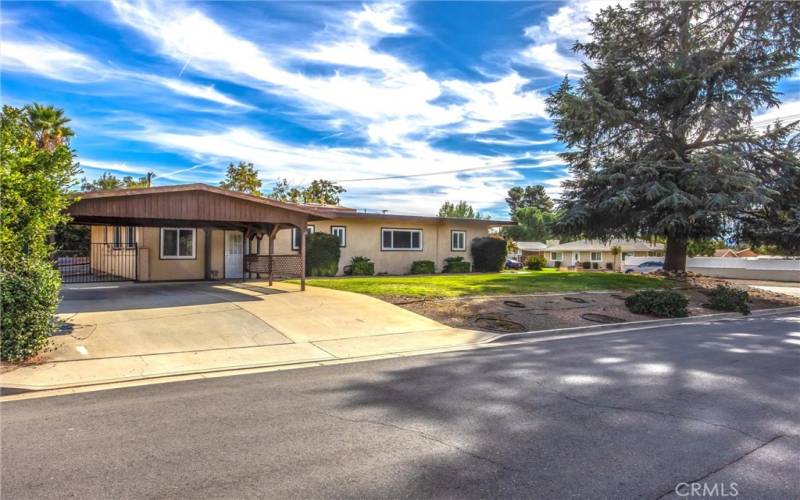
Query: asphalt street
[(626, 415)]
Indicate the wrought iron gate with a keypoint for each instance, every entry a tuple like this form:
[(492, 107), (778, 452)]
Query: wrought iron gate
[(100, 262)]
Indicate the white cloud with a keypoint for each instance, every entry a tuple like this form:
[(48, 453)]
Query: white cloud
[(59, 62), (553, 39), (386, 18), (788, 111), (49, 60)]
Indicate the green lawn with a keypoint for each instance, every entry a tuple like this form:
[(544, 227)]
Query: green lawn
[(460, 285)]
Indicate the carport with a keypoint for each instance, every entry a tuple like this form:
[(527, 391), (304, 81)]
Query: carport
[(187, 232)]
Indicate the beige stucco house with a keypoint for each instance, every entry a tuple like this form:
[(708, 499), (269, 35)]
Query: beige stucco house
[(597, 253), (200, 232)]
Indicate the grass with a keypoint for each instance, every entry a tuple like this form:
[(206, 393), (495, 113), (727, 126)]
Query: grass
[(462, 285)]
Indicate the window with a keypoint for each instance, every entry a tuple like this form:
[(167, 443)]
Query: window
[(458, 241), (596, 257), (401, 239), (557, 256), (654, 254), (341, 233), (130, 236), (177, 243), (117, 236), (296, 236)]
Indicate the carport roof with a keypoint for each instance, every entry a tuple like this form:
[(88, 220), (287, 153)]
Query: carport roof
[(196, 204)]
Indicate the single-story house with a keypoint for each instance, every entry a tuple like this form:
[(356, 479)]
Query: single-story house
[(598, 252), (201, 232), (731, 253)]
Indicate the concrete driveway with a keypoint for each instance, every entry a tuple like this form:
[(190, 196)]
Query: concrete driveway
[(117, 332)]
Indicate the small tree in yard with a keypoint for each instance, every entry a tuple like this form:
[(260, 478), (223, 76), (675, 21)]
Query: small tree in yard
[(322, 254), (488, 254), (659, 134), (36, 171)]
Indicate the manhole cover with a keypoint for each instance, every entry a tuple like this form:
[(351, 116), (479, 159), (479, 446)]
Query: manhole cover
[(577, 300), (514, 303), (497, 324), (601, 318)]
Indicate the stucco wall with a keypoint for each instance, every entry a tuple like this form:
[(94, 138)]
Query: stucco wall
[(364, 239), (173, 269)]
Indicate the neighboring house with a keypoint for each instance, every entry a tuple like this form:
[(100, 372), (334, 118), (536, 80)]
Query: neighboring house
[(592, 251), (196, 232), (731, 253)]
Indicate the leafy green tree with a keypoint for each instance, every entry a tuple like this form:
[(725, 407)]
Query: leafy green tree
[(36, 173), (242, 177), (658, 131), (281, 190), (460, 209), (110, 182), (704, 248), (530, 196), (533, 224), (322, 191), (49, 125)]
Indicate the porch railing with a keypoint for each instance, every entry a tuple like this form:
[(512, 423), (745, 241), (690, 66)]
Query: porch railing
[(280, 266)]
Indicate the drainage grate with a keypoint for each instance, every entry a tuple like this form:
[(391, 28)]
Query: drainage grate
[(601, 318)]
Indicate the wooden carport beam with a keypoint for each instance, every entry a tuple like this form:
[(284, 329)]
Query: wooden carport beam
[(303, 230), (271, 240)]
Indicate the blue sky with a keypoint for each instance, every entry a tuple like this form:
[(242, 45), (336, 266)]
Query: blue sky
[(451, 94)]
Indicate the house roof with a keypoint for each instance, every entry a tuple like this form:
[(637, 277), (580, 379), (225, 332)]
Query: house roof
[(531, 246), (309, 210), (592, 246)]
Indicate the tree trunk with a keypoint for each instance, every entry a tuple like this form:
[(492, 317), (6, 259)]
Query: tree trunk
[(675, 257)]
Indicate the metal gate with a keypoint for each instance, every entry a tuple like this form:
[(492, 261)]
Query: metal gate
[(99, 262)]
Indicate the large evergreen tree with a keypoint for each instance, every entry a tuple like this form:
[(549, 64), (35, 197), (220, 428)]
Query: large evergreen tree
[(242, 177), (533, 196), (658, 130)]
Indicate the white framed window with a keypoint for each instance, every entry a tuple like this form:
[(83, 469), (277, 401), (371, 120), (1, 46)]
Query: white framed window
[(178, 243), (557, 256), (296, 236), (401, 239), (341, 233), (458, 241), (596, 256)]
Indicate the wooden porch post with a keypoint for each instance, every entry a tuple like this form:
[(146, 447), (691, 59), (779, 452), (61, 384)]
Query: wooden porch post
[(271, 261), (245, 251), (303, 230)]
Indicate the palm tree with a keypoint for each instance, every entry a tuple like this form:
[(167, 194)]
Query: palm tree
[(49, 125)]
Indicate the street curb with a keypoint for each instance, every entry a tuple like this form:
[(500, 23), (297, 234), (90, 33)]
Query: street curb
[(636, 325)]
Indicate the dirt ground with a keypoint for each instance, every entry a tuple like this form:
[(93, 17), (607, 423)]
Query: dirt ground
[(519, 313)]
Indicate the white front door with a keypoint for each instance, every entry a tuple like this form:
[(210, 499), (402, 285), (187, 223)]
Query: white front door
[(234, 254), (575, 257)]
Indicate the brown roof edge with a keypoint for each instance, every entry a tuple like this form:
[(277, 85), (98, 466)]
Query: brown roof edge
[(367, 215), (203, 187)]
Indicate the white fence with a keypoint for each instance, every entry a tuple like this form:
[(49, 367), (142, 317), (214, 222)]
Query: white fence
[(728, 267)]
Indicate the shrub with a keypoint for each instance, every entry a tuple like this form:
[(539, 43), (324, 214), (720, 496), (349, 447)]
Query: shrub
[(535, 262), (322, 254), (557, 264), (661, 303), (456, 265), (422, 267), (595, 265), (609, 266), (489, 254), (586, 265), (726, 298), (361, 266), (29, 299)]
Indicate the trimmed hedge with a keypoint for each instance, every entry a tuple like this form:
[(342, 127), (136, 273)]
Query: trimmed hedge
[(322, 254), (556, 264), (489, 254), (586, 265), (29, 300), (661, 303), (423, 267), (595, 265), (456, 265), (361, 266), (726, 298), (535, 262), (609, 266)]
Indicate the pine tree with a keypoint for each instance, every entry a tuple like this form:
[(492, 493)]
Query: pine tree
[(658, 131)]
